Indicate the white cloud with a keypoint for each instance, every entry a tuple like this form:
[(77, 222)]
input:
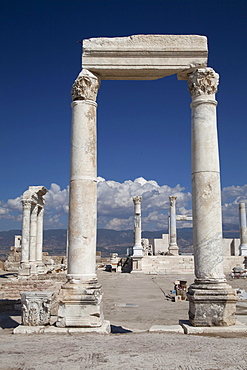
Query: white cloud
[(115, 205)]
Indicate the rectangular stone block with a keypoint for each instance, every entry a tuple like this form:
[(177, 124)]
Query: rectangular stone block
[(143, 57)]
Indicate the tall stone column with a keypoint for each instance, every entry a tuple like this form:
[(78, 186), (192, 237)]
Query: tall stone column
[(211, 301), (24, 269), (33, 239), (173, 247), (39, 240), (81, 296), (137, 249), (243, 229)]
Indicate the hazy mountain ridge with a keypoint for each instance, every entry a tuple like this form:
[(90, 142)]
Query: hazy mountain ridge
[(108, 241)]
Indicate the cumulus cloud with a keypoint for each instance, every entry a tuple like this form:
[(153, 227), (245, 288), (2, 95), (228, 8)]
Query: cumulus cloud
[(115, 205), (231, 197)]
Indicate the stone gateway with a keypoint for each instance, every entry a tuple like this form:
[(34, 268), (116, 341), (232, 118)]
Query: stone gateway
[(146, 57)]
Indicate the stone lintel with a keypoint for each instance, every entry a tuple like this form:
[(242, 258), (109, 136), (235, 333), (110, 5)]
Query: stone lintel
[(144, 57)]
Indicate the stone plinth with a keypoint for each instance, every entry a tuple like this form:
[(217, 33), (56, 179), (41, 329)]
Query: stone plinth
[(80, 304), (212, 304), (36, 308), (143, 57)]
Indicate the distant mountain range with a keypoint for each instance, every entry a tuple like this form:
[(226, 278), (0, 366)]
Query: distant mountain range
[(108, 241)]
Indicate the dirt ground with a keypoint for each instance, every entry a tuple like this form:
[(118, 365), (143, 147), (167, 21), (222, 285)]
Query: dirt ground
[(133, 303)]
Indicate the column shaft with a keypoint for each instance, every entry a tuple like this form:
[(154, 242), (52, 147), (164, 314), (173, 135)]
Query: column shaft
[(243, 229), (26, 209), (39, 241), (83, 191), (33, 234), (137, 249), (173, 247)]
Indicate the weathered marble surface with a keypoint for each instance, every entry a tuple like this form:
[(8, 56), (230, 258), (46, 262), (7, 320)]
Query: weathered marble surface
[(243, 229), (173, 247), (137, 249), (36, 308), (211, 300), (32, 230), (144, 57), (80, 299)]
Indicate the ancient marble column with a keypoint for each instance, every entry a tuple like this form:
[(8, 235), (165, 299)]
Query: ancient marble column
[(211, 301), (137, 249), (243, 229), (24, 269), (33, 239), (81, 296), (173, 247), (39, 240)]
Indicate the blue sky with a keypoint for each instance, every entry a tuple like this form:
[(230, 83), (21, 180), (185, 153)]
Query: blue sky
[(143, 126)]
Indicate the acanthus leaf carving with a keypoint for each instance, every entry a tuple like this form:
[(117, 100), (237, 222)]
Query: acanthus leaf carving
[(85, 86), (203, 81)]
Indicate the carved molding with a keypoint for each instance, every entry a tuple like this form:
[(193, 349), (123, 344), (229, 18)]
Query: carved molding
[(203, 81), (36, 308), (85, 86)]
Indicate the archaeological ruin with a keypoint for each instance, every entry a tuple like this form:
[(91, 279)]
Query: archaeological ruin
[(78, 294), (32, 231)]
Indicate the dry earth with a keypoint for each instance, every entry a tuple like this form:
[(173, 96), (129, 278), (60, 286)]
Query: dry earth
[(132, 303)]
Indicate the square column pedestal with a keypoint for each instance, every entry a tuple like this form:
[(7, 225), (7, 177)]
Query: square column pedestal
[(80, 304), (211, 304)]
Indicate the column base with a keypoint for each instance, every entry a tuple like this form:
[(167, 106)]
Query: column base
[(136, 264), (24, 269), (173, 249), (211, 304), (34, 268), (80, 304), (40, 267), (243, 250), (137, 251)]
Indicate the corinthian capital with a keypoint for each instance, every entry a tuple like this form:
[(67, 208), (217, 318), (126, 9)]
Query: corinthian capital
[(203, 81), (85, 86), (137, 199), (172, 200)]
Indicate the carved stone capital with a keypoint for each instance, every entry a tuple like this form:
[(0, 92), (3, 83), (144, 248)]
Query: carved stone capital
[(137, 199), (172, 200), (203, 81), (85, 86), (26, 203), (36, 308)]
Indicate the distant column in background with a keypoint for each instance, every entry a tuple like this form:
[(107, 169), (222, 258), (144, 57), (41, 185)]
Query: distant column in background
[(243, 229), (173, 247), (32, 231), (137, 249), (39, 240), (24, 269)]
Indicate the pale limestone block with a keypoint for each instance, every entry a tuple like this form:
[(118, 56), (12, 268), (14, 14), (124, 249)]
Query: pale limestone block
[(161, 245), (144, 57)]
